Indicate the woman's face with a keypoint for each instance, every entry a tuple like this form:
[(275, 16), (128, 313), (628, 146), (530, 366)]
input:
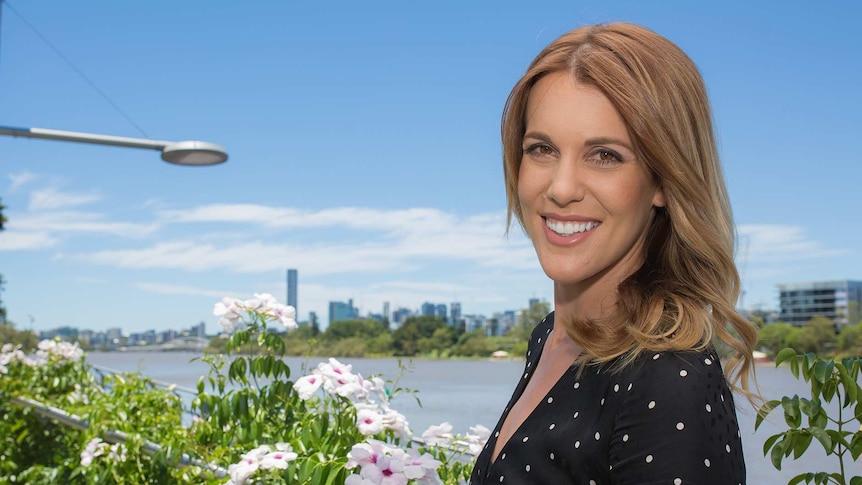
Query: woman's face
[(586, 201)]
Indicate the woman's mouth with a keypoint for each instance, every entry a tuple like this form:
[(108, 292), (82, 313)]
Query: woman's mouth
[(567, 228)]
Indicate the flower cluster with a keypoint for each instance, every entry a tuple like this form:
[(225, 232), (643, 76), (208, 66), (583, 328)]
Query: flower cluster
[(263, 457), (381, 464), (441, 435), (60, 351), (369, 397), (96, 447), (232, 311)]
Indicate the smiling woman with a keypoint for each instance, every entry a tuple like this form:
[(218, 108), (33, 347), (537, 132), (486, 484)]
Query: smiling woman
[(611, 169)]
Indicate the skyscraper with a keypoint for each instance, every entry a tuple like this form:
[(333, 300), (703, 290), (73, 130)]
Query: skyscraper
[(291, 290)]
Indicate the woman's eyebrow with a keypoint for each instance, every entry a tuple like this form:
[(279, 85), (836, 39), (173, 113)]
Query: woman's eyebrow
[(604, 140), (537, 135)]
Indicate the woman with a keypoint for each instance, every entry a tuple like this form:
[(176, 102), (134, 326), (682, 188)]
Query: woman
[(612, 170)]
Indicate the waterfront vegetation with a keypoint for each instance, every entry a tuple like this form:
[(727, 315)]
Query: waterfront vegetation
[(254, 422), (257, 421)]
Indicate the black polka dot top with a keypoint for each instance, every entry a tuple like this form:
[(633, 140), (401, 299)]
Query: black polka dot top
[(667, 419)]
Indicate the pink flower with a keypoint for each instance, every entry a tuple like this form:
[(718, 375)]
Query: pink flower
[(438, 435), (240, 472), (306, 386), (369, 421), (230, 311)]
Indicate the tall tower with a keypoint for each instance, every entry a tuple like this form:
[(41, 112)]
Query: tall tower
[(291, 290)]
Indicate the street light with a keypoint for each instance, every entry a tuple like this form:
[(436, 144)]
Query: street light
[(178, 152)]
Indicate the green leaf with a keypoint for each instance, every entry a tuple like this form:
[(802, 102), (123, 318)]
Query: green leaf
[(764, 411), (823, 437), (850, 386), (856, 445), (770, 441), (800, 445), (784, 355), (821, 372), (791, 411), (794, 367), (829, 388), (777, 454), (800, 478), (856, 481)]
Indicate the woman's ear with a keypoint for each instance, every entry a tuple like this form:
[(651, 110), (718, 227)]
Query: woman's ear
[(658, 197)]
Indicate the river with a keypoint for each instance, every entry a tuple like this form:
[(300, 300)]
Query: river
[(466, 393)]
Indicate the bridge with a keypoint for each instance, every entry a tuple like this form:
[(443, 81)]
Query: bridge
[(189, 344)]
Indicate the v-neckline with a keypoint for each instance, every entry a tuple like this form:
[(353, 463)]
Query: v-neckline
[(519, 393)]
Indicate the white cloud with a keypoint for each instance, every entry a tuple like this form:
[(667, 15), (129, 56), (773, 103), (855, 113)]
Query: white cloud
[(402, 239), (51, 198), (21, 178), (779, 243), (25, 241), (75, 221)]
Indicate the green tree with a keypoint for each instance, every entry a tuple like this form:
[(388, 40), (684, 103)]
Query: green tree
[(773, 337), (817, 336), (850, 339), (342, 329), (528, 319), (405, 340), (10, 335)]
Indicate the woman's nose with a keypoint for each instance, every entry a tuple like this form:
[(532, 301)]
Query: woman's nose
[(567, 183)]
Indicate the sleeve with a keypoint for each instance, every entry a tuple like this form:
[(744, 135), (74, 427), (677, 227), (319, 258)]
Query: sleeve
[(678, 425)]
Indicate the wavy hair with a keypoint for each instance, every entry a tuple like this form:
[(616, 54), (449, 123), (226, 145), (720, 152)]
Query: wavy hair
[(683, 297)]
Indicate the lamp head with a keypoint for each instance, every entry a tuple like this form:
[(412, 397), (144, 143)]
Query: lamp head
[(194, 153)]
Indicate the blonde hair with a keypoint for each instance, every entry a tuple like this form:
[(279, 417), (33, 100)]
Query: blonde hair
[(684, 295)]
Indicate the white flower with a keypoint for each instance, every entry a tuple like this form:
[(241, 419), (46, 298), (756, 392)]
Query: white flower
[(257, 453), (118, 452), (95, 447), (284, 313), (397, 422), (277, 459), (240, 472), (362, 454), (358, 480), (438, 435), (422, 468), (230, 311), (306, 386), (369, 421)]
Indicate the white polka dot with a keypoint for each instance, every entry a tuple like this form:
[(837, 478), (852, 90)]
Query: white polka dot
[(503, 456), (677, 481), (496, 434), (552, 456), (525, 439), (598, 436), (649, 458), (540, 339), (552, 426), (706, 462), (680, 426), (603, 402), (656, 356), (501, 478), (727, 448), (577, 385), (529, 352), (651, 404), (630, 387), (529, 364), (576, 414), (527, 468), (549, 331), (616, 387), (722, 398), (625, 438), (577, 444), (550, 400), (610, 468), (592, 482), (526, 374), (707, 361), (683, 373), (708, 408)]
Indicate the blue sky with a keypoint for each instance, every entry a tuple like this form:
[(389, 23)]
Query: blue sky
[(364, 150)]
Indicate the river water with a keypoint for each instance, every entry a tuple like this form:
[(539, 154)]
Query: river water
[(466, 393)]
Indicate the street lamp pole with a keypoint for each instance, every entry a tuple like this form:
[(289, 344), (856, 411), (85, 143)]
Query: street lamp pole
[(180, 152)]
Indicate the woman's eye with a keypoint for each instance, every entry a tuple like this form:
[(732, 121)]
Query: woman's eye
[(604, 156), (539, 149)]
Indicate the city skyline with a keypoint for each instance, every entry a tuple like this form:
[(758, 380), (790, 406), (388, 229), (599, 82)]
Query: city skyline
[(364, 151)]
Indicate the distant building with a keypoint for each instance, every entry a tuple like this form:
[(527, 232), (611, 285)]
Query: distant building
[(429, 309), (455, 313), (292, 279), (341, 311), (440, 312), (533, 301), (199, 330), (399, 315), (839, 300), (386, 314)]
